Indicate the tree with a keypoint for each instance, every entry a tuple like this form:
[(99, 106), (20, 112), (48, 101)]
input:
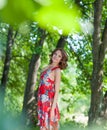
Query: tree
[(31, 79), (61, 42), (10, 40), (99, 48)]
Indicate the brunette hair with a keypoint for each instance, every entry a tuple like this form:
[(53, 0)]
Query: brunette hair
[(63, 63)]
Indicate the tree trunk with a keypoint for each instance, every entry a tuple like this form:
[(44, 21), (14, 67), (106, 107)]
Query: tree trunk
[(10, 41), (98, 49), (103, 113), (61, 42), (31, 80)]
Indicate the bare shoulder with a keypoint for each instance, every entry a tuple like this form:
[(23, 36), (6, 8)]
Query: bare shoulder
[(57, 74)]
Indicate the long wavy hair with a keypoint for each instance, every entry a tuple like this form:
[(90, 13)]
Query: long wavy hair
[(63, 62)]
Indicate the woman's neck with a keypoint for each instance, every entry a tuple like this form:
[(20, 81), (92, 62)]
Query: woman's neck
[(53, 64)]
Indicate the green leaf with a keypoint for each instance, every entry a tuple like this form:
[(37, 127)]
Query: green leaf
[(18, 11), (57, 14)]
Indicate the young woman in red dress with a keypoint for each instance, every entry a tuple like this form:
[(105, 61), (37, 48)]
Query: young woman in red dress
[(47, 107)]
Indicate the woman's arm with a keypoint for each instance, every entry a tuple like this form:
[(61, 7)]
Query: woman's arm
[(57, 86)]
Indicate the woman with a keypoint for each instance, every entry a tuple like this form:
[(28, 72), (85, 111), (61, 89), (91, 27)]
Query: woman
[(48, 112)]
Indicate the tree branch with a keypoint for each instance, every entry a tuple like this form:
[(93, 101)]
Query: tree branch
[(20, 56), (104, 37), (97, 29), (61, 42), (80, 63), (103, 46)]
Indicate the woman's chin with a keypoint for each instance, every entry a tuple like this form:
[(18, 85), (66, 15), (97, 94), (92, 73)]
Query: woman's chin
[(54, 61)]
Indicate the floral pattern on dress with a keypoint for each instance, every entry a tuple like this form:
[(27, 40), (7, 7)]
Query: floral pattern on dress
[(46, 92)]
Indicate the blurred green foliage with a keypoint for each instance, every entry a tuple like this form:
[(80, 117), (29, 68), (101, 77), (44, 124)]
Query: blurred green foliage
[(16, 12), (48, 13), (58, 14)]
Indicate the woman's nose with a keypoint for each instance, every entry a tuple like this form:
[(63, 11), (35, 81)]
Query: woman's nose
[(55, 56)]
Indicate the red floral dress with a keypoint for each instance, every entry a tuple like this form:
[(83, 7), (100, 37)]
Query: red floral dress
[(45, 97)]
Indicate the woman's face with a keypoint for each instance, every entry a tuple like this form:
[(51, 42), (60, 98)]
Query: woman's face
[(57, 56)]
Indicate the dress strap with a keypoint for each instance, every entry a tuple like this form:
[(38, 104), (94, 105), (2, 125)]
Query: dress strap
[(55, 68)]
